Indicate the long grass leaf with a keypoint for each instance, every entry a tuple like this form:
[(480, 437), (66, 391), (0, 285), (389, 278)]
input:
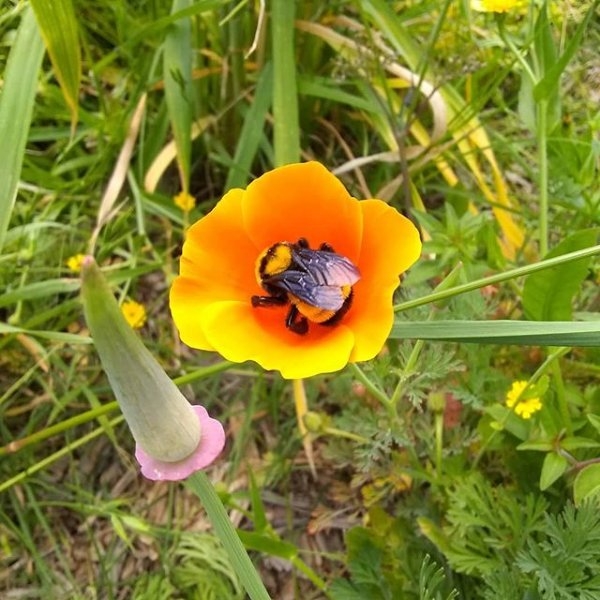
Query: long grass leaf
[(58, 27), (16, 108), (177, 66), (286, 130), (252, 131), (522, 333)]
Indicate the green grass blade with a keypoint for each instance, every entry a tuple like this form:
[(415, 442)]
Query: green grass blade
[(177, 65), (16, 108), (252, 131), (522, 333), (58, 27), (55, 336), (39, 289), (286, 131)]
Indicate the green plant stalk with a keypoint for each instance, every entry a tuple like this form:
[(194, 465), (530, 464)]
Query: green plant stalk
[(561, 397), (410, 365), (286, 131), (373, 389), (66, 450), (439, 442), (498, 278), (542, 143), (39, 436), (202, 487)]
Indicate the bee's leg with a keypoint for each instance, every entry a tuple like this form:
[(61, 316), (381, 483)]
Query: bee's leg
[(302, 242), (325, 247), (295, 322), (268, 301)]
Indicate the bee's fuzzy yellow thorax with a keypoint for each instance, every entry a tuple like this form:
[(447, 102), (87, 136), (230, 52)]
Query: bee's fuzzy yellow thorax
[(274, 260)]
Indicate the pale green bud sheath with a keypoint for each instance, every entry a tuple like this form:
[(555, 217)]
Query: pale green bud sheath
[(161, 420)]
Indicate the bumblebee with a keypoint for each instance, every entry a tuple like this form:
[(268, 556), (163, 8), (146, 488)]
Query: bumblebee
[(317, 284)]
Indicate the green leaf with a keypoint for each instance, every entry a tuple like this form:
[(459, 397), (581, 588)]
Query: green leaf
[(548, 294), (58, 26), (553, 70), (554, 466), (586, 484), (252, 131), (268, 544), (522, 333), (177, 68), (574, 443), (509, 421), (526, 104), (16, 107), (538, 446), (595, 421)]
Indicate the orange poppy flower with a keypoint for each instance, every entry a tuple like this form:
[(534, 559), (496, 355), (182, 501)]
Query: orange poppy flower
[(211, 300)]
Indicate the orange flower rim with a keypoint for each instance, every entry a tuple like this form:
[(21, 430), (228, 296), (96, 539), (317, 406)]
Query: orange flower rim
[(293, 273)]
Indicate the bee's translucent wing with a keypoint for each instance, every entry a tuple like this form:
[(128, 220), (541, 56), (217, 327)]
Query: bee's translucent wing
[(302, 285), (326, 268)]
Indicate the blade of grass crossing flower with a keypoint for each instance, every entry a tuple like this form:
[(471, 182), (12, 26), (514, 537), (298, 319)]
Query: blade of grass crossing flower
[(498, 278), (58, 26), (521, 333), (252, 131), (202, 487), (16, 108), (286, 132), (177, 67)]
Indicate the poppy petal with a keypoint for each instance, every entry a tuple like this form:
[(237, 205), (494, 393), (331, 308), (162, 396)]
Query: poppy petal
[(390, 245), (240, 332), (302, 200)]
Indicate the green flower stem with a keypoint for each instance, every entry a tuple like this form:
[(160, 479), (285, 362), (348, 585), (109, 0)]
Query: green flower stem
[(373, 389), (202, 487), (439, 442), (335, 432), (561, 395), (551, 362), (498, 278), (515, 51), (542, 124), (408, 368), (286, 130)]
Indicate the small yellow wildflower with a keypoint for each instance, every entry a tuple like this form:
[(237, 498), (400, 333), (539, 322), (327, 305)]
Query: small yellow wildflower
[(497, 6), (185, 201), (74, 262), (134, 313), (524, 407)]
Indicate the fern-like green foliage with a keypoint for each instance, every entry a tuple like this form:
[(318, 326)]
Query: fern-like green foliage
[(201, 571), (488, 526), (384, 564), (431, 581), (565, 560)]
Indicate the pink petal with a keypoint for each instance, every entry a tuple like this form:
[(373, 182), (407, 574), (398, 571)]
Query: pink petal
[(211, 444)]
